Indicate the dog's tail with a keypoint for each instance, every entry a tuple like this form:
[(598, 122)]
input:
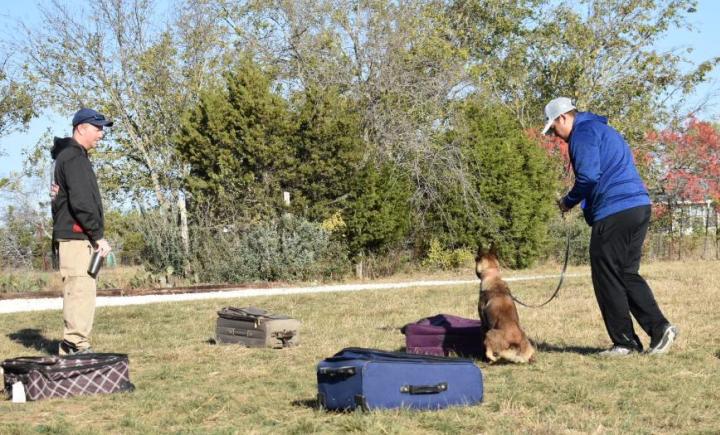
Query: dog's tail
[(522, 354), (512, 355)]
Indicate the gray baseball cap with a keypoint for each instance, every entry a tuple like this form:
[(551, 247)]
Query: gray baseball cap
[(555, 108)]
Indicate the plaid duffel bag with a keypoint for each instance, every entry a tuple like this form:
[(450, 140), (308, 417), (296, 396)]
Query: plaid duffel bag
[(51, 376)]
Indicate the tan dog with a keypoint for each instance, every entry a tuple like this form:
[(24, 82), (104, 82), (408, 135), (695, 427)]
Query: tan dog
[(504, 339)]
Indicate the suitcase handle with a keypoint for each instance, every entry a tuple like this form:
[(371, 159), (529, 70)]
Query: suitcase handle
[(239, 332), (424, 389), (337, 371)]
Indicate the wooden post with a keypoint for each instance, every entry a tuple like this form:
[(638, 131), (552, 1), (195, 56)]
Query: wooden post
[(184, 229), (286, 198), (707, 228)]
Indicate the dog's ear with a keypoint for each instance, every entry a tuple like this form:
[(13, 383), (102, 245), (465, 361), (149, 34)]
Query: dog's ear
[(480, 252), (478, 260), (493, 249)]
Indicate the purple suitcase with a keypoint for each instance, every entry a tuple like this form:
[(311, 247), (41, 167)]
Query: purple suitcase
[(443, 335)]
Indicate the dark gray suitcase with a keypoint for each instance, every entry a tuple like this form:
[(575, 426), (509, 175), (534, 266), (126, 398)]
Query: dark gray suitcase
[(255, 327)]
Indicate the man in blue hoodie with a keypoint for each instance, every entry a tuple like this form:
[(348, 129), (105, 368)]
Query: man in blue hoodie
[(616, 205)]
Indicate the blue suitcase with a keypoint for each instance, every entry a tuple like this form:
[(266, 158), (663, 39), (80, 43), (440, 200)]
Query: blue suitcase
[(375, 379)]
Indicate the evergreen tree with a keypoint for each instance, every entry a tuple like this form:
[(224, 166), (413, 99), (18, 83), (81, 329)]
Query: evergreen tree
[(236, 141), (328, 151), (514, 182), (379, 215)]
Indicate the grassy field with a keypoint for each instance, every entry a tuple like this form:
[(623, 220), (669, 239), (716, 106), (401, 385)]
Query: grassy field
[(185, 384)]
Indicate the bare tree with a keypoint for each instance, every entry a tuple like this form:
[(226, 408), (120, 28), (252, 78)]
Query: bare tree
[(123, 58)]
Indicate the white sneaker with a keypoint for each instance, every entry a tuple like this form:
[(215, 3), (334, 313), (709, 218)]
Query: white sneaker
[(617, 351), (663, 345)]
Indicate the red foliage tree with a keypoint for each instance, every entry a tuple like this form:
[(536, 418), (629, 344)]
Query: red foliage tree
[(558, 151), (690, 169), (690, 157)]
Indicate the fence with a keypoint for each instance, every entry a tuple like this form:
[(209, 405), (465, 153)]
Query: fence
[(684, 230)]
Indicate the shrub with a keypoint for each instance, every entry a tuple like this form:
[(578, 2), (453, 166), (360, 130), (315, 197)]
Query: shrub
[(445, 259), (122, 229), (389, 263), (22, 282), (285, 248), (579, 239), (162, 248)]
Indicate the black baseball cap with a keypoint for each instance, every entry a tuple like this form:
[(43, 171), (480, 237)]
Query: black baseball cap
[(90, 116)]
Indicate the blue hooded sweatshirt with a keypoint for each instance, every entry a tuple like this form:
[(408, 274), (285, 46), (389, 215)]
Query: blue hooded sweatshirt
[(605, 175)]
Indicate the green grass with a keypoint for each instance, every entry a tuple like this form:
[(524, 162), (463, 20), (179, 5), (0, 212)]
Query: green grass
[(187, 385)]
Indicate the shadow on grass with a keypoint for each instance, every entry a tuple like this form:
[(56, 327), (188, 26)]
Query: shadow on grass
[(540, 346), (313, 404), (306, 403), (388, 328), (32, 338), (543, 346)]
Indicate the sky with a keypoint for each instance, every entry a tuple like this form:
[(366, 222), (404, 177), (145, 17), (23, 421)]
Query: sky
[(703, 42)]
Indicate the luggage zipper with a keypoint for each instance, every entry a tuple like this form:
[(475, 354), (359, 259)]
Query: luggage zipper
[(96, 365), (28, 367), (386, 355), (70, 369)]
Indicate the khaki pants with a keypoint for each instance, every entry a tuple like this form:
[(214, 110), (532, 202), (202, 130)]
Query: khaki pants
[(78, 292)]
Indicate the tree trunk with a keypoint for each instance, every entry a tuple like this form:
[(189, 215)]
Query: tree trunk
[(184, 232), (707, 228), (681, 233), (671, 251), (717, 235)]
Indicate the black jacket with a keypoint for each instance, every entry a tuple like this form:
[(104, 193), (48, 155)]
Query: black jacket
[(77, 209)]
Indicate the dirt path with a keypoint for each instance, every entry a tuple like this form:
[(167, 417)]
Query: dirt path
[(39, 304)]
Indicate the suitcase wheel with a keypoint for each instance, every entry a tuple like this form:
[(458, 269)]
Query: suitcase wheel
[(361, 402)]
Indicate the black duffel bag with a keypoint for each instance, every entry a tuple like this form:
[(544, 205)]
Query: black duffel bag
[(51, 376)]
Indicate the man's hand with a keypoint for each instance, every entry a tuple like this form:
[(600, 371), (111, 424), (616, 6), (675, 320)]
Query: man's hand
[(103, 247), (54, 189), (561, 205)]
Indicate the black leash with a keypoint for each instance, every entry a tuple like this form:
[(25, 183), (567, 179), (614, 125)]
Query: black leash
[(562, 275)]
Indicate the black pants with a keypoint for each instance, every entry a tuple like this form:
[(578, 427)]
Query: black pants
[(615, 251)]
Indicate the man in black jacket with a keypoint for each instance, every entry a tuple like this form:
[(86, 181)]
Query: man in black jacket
[(78, 226)]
